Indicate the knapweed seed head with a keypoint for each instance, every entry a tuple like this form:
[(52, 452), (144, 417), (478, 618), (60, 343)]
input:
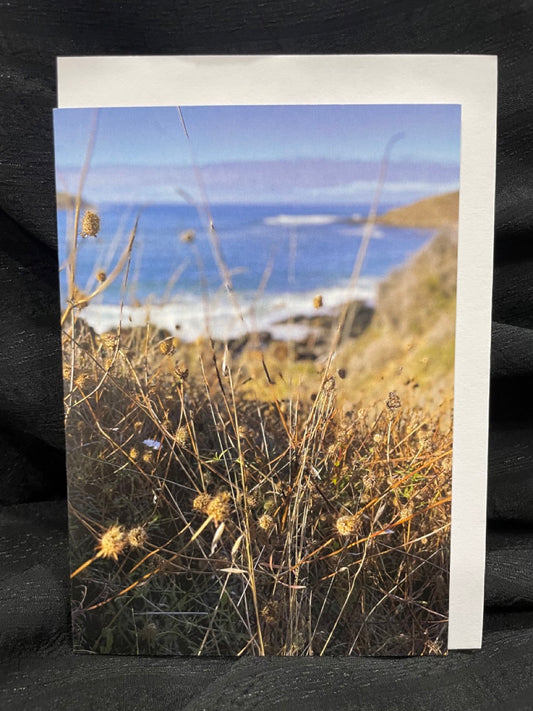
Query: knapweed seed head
[(112, 542), (318, 301), (134, 454), (101, 276), (201, 502), (347, 525), (265, 523), (137, 537), (182, 436), (90, 224), (220, 507)]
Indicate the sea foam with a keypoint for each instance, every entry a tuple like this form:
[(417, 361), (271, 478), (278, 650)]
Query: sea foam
[(188, 318)]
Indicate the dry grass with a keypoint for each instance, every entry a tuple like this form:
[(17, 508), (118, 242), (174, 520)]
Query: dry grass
[(207, 521), (248, 504)]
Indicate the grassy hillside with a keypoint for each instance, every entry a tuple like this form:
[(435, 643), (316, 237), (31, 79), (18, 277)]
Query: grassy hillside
[(433, 212), (409, 345)]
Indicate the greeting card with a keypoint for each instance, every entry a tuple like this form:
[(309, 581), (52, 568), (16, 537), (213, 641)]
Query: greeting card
[(275, 283)]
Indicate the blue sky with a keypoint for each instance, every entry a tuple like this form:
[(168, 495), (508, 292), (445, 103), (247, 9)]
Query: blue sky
[(142, 154)]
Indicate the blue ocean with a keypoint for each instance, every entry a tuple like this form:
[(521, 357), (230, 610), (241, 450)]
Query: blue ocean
[(278, 258)]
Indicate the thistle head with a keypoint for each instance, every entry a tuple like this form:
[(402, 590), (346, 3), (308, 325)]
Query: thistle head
[(265, 523), (201, 502), (220, 507), (347, 525), (112, 542)]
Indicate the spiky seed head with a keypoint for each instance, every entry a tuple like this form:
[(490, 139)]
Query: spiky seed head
[(220, 507), (201, 502), (112, 542), (182, 436), (90, 224), (265, 523), (347, 525), (101, 276), (137, 537)]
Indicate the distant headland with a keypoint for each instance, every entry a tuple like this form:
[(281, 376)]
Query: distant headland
[(434, 212), (67, 201)]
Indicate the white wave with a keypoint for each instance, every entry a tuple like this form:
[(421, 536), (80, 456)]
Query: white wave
[(358, 230), (185, 317), (301, 220)]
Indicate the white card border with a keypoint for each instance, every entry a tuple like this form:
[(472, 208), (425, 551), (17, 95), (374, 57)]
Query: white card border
[(468, 80)]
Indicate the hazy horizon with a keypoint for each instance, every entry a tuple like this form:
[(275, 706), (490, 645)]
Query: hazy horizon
[(259, 154)]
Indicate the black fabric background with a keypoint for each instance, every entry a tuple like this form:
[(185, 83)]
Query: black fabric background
[(38, 669)]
